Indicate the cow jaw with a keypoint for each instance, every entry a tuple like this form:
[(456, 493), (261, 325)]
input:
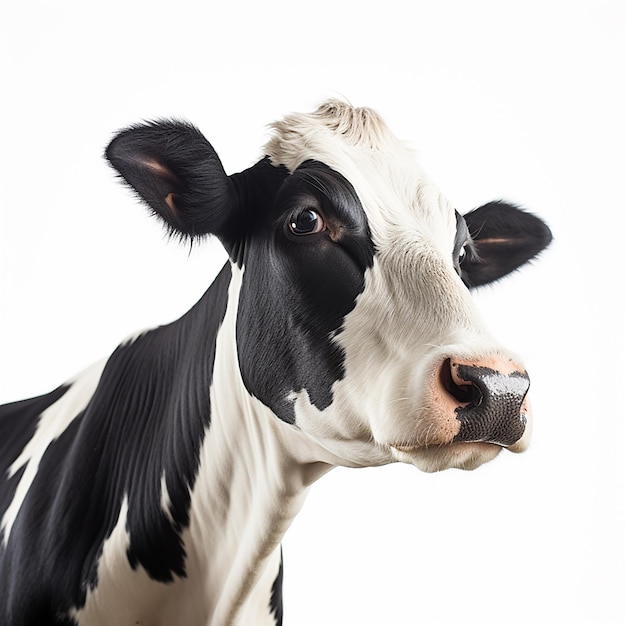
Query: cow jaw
[(465, 456)]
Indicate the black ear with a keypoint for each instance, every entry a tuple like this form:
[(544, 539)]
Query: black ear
[(504, 238), (176, 171)]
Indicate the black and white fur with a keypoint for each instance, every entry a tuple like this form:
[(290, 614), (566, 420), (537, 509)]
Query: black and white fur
[(155, 487)]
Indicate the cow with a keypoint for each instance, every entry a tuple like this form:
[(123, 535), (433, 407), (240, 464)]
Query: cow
[(155, 486)]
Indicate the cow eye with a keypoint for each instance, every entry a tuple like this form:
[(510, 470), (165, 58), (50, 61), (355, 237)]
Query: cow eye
[(306, 222), (462, 253)]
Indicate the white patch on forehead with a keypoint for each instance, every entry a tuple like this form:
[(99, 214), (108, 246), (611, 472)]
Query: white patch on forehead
[(334, 124), (52, 423)]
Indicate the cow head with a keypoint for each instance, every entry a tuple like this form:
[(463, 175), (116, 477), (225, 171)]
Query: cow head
[(355, 322)]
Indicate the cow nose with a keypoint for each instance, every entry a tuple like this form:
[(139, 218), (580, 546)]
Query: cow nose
[(491, 399)]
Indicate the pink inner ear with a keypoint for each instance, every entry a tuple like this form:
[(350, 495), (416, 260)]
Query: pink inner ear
[(492, 240), (157, 168), (169, 200)]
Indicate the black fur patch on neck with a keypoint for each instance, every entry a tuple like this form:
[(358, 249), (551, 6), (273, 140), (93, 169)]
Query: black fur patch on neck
[(144, 425)]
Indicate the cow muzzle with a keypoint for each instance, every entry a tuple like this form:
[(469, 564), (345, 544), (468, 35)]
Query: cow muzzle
[(488, 399)]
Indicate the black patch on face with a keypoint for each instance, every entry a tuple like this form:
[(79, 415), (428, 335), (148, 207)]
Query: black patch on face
[(297, 289), (146, 420), (495, 415)]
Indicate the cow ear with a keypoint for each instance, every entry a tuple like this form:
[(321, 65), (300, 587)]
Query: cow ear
[(178, 174), (504, 238)]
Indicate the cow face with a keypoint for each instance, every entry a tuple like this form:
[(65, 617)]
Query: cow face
[(354, 322)]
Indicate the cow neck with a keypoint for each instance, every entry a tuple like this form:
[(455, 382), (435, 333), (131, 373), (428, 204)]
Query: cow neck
[(253, 477)]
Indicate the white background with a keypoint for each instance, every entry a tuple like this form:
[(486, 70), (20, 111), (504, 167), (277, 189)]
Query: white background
[(516, 100)]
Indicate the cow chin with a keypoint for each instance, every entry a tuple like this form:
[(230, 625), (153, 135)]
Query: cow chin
[(465, 456)]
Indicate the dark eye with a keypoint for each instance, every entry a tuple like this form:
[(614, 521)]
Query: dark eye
[(306, 222)]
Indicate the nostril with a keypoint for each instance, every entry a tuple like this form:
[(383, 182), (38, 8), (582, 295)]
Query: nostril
[(466, 393)]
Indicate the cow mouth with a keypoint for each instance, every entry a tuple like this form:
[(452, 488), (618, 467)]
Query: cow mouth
[(455, 455), (411, 448)]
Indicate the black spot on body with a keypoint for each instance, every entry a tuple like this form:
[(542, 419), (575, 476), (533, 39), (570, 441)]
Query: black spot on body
[(146, 420), (18, 423)]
